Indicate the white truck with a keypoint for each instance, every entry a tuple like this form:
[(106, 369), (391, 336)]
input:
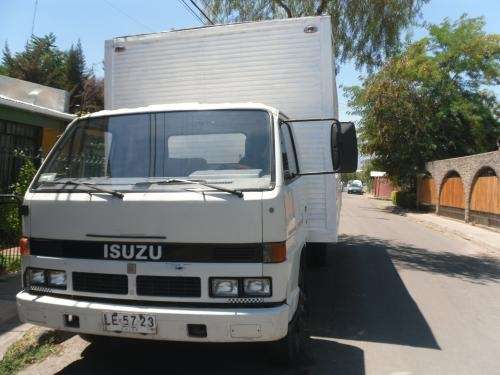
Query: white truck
[(182, 212)]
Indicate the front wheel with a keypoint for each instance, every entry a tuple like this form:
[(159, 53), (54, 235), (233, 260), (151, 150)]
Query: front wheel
[(292, 349)]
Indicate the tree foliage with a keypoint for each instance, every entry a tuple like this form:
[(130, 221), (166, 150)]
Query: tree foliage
[(75, 75), (92, 97), (346, 177), (364, 31), (431, 101), (43, 62), (40, 62)]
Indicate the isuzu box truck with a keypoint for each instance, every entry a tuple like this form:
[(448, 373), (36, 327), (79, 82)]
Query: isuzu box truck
[(186, 210)]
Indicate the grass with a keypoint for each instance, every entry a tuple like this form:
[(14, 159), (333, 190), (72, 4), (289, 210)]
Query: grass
[(35, 345)]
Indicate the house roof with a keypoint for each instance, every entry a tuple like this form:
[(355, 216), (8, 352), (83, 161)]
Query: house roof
[(5, 100)]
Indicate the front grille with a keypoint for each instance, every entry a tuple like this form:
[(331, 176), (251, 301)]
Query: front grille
[(168, 286), (100, 283)]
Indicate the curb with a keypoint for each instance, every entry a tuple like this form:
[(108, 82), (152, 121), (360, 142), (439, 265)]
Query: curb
[(415, 217)]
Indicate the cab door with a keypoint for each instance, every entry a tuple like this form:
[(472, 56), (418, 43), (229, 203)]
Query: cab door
[(294, 185)]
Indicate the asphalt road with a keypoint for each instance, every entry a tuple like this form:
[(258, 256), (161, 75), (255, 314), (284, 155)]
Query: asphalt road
[(396, 297)]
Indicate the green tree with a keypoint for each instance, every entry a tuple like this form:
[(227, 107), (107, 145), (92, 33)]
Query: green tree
[(366, 169), (364, 31), (75, 75), (346, 177), (40, 62), (431, 101), (92, 94)]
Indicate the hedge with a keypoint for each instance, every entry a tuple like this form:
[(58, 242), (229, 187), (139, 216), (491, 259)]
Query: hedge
[(405, 199)]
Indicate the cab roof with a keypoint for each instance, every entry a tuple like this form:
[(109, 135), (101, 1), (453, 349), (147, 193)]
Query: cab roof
[(181, 107)]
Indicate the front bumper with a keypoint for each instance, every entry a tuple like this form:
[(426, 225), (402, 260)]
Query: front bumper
[(222, 324)]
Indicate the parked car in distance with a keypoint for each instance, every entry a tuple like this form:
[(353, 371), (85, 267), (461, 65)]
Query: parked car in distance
[(355, 187)]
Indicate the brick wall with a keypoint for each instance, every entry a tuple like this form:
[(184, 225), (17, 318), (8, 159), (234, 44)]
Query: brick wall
[(468, 168)]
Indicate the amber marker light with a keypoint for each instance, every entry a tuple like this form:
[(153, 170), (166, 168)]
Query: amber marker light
[(274, 252)]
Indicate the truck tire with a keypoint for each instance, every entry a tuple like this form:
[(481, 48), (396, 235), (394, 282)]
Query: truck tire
[(292, 349), (316, 255)]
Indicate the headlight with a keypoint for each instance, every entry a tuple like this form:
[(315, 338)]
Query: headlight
[(46, 278), (224, 288), (257, 287), (56, 278), (36, 276)]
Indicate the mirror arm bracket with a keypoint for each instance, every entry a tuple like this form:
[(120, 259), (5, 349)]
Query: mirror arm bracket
[(317, 173)]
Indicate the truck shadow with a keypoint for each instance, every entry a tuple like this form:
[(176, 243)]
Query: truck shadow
[(187, 358), (359, 296), (9, 286)]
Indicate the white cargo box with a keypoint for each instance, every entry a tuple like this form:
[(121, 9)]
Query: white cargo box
[(287, 64)]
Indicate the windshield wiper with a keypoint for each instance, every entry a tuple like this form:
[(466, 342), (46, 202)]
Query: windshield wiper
[(173, 181), (87, 184)]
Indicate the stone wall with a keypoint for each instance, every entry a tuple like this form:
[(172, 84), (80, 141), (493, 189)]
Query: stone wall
[(468, 168)]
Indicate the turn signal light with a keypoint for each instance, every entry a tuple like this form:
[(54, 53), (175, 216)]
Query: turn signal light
[(24, 246), (274, 252)]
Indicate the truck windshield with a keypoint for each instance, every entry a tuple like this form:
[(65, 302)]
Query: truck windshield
[(230, 147)]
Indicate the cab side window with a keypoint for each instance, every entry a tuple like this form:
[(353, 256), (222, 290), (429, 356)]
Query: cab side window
[(290, 168)]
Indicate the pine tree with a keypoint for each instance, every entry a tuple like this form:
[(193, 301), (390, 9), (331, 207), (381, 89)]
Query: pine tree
[(40, 62), (75, 75)]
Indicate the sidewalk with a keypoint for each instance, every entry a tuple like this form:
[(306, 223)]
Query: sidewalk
[(11, 329), (489, 239), (480, 235)]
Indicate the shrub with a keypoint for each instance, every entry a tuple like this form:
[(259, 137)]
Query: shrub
[(405, 199), (10, 222)]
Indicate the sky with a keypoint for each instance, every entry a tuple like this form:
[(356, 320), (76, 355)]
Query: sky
[(94, 21)]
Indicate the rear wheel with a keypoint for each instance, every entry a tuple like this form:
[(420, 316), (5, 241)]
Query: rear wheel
[(316, 254)]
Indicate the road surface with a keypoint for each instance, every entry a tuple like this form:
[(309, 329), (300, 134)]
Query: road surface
[(396, 297)]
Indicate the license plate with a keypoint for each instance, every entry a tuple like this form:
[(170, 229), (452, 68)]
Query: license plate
[(124, 322)]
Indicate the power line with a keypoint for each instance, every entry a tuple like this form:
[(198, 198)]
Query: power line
[(34, 17), (128, 16), (188, 8), (202, 12)]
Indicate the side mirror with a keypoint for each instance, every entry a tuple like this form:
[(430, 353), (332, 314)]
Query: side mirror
[(344, 147)]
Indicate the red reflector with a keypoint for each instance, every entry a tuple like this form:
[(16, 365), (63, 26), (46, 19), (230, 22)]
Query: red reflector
[(24, 246)]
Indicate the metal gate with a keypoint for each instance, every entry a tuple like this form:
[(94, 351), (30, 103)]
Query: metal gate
[(17, 141)]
